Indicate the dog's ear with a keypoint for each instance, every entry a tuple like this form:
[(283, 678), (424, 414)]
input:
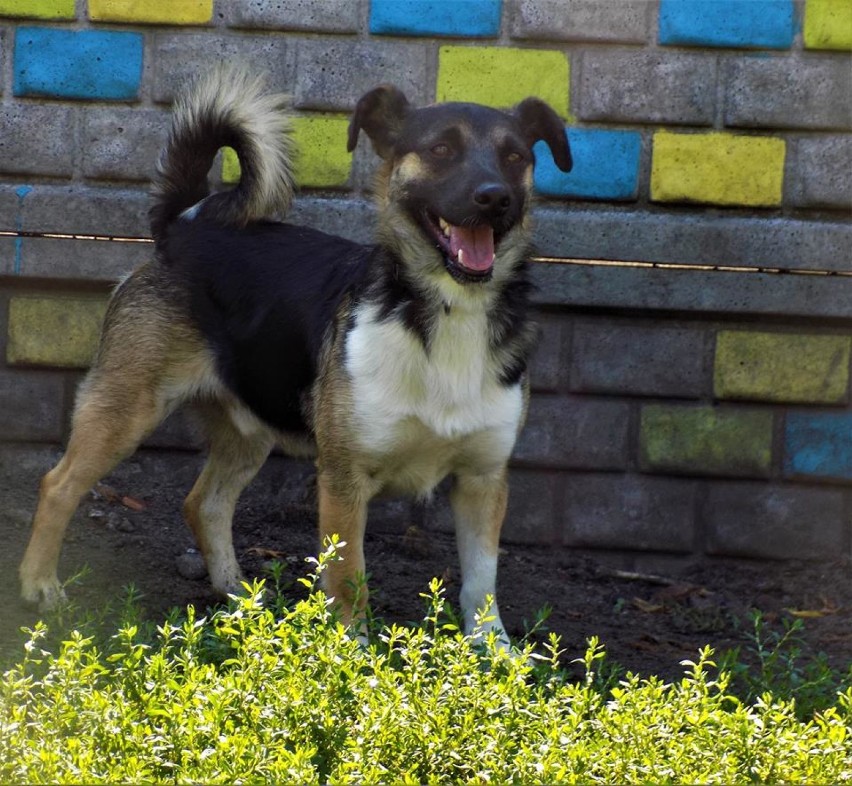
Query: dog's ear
[(539, 121), (381, 113)]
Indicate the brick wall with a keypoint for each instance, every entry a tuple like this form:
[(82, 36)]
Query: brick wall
[(696, 405)]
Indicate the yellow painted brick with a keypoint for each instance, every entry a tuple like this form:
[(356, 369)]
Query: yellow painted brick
[(781, 367), (501, 77), (173, 12), (321, 158), (38, 9), (828, 24), (54, 331), (718, 169)]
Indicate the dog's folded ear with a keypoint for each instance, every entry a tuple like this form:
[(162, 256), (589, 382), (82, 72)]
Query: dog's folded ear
[(381, 113), (539, 122)]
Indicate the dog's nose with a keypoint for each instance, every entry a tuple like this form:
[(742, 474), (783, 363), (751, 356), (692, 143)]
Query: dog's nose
[(492, 197)]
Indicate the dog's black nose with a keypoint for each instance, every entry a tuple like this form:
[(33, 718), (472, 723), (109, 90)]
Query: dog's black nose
[(492, 197)]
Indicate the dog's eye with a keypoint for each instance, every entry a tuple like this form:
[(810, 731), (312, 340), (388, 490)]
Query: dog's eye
[(441, 150), (514, 158)]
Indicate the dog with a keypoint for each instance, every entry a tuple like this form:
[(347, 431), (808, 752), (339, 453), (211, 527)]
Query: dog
[(395, 365)]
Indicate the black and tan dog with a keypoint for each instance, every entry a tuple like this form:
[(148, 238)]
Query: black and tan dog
[(396, 365)]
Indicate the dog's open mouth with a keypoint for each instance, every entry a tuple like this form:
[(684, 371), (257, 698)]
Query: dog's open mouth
[(468, 251)]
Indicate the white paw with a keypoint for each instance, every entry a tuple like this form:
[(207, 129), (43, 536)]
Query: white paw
[(47, 594)]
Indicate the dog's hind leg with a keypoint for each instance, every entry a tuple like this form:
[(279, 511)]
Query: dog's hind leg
[(479, 506), (234, 459), (109, 423)]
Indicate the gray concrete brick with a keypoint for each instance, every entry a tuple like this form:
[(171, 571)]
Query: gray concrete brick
[(37, 139), (332, 74), (820, 175), (534, 499), (178, 57), (647, 87), (330, 16), (549, 365), (178, 431), (630, 512), (8, 253), (32, 407), (122, 143), (581, 20), (87, 260), (639, 360), (749, 295), (788, 92), (80, 209), (704, 238), (769, 521), (351, 218), (564, 431)]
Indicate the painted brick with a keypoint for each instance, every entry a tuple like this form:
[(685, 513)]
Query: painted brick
[(818, 445), (38, 9), (717, 168), (606, 166), (581, 20), (37, 140), (756, 520), (630, 512), (332, 74), (630, 359), (321, 158), (575, 432), (179, 57), (502, 77), (332, 16), (788, 92), (698, 237), (175, 12), (87, 64), (459, 18), (705, 441), (820, 176), (729, 23), (122, 144), (80, 260), (647, 87), (54, 331), (33, 405), (782, 367), (78, 209), (828, 24)]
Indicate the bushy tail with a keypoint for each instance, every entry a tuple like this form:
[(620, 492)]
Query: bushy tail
[(225, 108)]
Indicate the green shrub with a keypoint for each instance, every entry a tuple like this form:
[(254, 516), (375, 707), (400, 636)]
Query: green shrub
[(287, 695)]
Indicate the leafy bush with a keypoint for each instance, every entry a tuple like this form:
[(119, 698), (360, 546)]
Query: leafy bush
[(287, 695)]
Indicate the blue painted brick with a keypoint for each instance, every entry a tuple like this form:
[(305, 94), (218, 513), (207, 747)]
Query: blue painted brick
[(764, 24), (606, 165), (462, 18), (818, 445), (93, 64)]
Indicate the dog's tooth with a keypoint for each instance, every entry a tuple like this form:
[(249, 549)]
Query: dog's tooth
[(461, 256), (445, 227)]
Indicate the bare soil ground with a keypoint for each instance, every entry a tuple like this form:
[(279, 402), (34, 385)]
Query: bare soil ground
[(648, 622)]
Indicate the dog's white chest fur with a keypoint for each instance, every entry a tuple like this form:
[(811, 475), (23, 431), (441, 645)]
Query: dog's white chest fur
[(410, 401)]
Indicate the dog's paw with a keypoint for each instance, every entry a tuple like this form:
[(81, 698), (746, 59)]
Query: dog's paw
[(46, 594)]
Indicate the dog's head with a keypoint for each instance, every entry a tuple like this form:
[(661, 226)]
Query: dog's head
[(457, 178)]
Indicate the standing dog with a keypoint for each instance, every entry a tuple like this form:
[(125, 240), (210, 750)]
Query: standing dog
[(395, 364)]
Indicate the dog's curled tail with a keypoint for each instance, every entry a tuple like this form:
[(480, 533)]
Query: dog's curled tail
[(228, 107)]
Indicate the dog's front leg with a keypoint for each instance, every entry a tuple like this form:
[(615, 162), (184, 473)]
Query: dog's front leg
[(479, 505), (343, 512)]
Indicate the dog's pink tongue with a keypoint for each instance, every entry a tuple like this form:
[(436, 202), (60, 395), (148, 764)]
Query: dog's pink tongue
[(473, 247)]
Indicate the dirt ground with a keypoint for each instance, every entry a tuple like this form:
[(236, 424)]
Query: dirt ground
[(132, 533)]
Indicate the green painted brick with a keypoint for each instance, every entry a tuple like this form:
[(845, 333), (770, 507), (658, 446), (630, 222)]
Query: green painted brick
[(502, 77), (174, 12), (321, 159), (779, 367), (705, 441), (38, 9), (54, 331), (828, 24)]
